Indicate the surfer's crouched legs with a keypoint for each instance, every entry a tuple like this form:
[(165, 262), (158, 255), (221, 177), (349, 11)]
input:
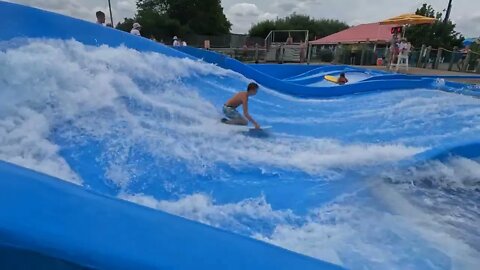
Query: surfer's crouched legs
[(234, 117)]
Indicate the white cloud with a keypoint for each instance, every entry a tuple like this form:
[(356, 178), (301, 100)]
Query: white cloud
[(465, 13), (244, 15), (245, 9), (126, 6), (84, 9)]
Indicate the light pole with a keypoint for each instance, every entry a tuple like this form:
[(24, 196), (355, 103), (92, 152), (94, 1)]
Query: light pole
[(110, 9), (447, 15)]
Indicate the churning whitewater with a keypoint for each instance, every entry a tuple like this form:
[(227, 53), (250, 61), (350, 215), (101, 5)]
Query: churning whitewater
[(326, 182)]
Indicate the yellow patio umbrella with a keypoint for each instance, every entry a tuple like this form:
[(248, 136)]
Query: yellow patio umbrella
[(409, 19)]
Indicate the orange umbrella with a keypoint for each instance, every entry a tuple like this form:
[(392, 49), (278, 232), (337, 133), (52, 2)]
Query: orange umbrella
[(409, 19)]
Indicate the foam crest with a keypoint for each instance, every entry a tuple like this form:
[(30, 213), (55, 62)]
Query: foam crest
[(348, 232), (456, 173), (49, 83), (149, 101), (243, 217), (23, 141), (139, 119)]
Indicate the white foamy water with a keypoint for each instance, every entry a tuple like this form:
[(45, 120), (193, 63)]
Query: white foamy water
[(351, 231), (146, 118), (60, 82)]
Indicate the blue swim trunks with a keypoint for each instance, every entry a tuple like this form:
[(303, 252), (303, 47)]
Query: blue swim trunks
[(231, 113)]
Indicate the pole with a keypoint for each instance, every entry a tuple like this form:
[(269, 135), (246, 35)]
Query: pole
[(309, 53), (449, 9), (110, 9)]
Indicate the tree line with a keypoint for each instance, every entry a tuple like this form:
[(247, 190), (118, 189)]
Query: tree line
[(438, 34), (317, 28), (167, 18)]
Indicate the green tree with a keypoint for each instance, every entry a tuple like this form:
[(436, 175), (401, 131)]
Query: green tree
[(200, 16), (126, 25), (317, 27), (437, 35), (262, 29)]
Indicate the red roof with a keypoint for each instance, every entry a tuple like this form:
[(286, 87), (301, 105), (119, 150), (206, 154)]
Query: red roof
[(373, 32)]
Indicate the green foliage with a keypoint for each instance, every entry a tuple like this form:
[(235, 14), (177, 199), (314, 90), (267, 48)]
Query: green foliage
[(436, 35), (126, 25), (166, 18), (202, 16), (262, 29), (325, 55), (317, 27), (475, 47)]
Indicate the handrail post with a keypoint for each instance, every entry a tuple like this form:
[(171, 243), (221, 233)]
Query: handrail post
[(466, 61), (362, 55), (437, 59), (309, 53), (427, 56), (421, 56), (452, 58)]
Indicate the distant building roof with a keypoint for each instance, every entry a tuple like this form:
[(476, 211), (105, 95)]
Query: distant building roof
[(373, 32)]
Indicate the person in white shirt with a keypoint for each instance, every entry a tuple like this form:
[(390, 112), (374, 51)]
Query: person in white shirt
[(100, 17), (136, 29), (176, 43), (184, 43), (403, 47)]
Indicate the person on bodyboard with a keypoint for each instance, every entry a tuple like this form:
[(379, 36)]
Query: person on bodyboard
[(232, 116), (342, 79)]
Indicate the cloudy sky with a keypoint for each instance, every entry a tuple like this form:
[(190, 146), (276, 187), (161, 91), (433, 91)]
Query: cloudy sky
[(243, 13)]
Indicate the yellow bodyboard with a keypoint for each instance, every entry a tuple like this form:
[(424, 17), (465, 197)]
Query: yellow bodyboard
[(331, 78)]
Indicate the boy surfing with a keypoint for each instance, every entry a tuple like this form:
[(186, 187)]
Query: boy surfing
[(233, 117)]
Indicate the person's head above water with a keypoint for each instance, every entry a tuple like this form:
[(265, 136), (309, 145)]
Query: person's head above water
[(252, 89), (342, 75), (100, 17)]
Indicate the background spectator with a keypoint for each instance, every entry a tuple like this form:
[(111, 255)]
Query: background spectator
[(100, 17), (136, 29), (176, 42)]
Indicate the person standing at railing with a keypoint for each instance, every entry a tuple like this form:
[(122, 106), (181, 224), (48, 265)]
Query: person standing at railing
[(289, 40), (176, 42), (393, 49), (403, 47), (136, 29), (100, 17), (302, 51), (403, 53)]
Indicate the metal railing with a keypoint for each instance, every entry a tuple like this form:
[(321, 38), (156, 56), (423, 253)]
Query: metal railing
[(424, 57), (279, 37), (254, 55), (269, 40)]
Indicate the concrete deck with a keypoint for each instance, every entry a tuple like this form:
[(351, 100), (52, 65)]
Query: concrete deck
[(425, 71)]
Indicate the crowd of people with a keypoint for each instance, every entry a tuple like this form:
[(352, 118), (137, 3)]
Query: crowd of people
[(136, 30)]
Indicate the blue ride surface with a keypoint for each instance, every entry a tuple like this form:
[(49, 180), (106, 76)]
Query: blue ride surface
[(102, 232), (385, 179), (308, 80)]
